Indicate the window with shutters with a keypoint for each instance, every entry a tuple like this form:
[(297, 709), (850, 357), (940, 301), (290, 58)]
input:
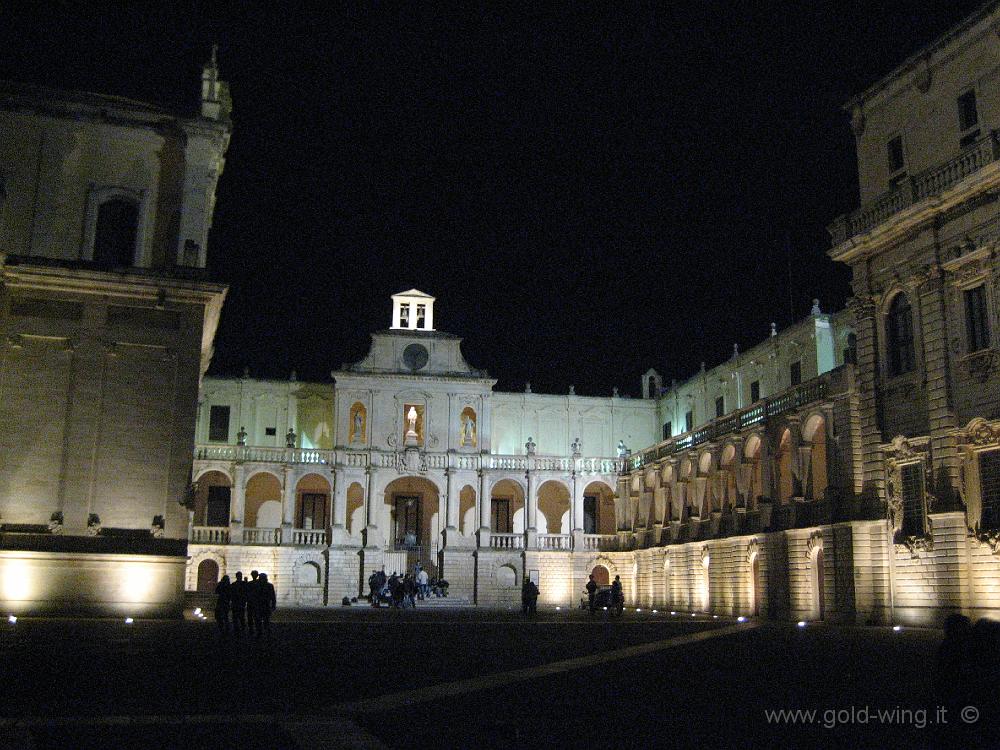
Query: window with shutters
[(989, 483), (977, 324), (912, 491)]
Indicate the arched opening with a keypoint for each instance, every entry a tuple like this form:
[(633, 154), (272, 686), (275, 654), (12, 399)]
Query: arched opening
[(208, 576), (506, 577), (786, 482), (602, 577), (467, 510), (309, 574), (598, 509), (817, 584), (358, 424), (752, 479), (312, 502), (753, 585), (553, 506), (263, 501), (468, 435), (212, 499), (815, 434), (652, 386), (507, 507), (355, 508), (115, 233), (899, 336), (705, 593), (413, 504)]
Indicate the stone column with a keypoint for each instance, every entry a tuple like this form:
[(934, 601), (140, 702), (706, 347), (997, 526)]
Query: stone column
[(576, 512), (339, 516), (371, 513), (485, 508), (531, 512), (866, 371), (288, 499), (237, 505), (454, 502)]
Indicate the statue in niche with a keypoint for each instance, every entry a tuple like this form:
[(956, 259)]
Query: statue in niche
[(290, 438), (468, 432), (472, 432), (411, 420), (241, 436), (359, 431)]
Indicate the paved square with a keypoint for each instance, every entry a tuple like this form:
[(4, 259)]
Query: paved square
[(462, 678)]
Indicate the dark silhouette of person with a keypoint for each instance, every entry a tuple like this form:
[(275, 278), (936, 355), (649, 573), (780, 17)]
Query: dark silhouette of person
[(238, 594), (950, 683), (591, 592), (223, 603), (532, 598), (253, 597), (525, 594), (617, 597), (266, 604)]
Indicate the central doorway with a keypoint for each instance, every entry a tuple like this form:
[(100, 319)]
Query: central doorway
[(408, 527)]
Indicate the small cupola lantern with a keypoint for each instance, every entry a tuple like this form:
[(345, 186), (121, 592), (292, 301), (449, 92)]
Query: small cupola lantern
[(412, 311)]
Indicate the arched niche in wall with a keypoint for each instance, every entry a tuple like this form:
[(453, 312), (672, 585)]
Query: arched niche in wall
[(468, 435), (357, 424)]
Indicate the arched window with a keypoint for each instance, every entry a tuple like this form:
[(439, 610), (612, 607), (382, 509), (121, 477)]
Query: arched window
[(899, 336), (115, 234)]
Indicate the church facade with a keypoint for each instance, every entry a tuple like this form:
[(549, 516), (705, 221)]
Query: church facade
[(844, 469)]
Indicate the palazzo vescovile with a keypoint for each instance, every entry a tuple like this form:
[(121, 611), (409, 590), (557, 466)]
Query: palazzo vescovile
[(846, 468)]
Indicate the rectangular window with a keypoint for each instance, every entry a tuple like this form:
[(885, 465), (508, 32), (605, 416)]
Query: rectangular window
[(501, 516), (589, 514), (720, 406), (404, 316), (989, 482), (312, 512), (421, 315), (270, 431), (217, 508), (968, 113), (795, 373), (977, 323), (755, 392), (689, 421), (912, 481), (218, 424), (894, 150), (668, 430)]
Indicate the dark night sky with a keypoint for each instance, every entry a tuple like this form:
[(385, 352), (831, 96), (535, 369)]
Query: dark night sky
[(587, 193)]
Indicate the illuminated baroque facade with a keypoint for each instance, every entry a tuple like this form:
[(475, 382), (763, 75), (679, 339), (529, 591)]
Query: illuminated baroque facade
[(106, 326), (846, 468)]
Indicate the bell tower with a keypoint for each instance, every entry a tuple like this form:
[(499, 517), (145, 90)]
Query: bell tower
[(412, 311)]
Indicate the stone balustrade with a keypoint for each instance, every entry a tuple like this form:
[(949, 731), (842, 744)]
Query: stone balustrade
[(930, 182), (210, 534), (507, 541), (439, 460), (554, 542), (600, 542)]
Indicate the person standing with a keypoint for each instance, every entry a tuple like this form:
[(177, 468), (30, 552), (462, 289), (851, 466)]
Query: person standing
[(591, 593), (532, 598), (422, 584), (266, 604), (253, 596), (525, 594), (223, 603), (617, 597), (238, 595)]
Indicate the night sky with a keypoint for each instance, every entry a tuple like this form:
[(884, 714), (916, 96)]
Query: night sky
[(587, 193)]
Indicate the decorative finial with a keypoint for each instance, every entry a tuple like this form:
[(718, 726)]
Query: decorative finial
[(293, 376), (815, 308), (736, 350), (246, 373), (572, 391), (527, 387), (577, 447), (614, 392), (215, 56), (774, 329)]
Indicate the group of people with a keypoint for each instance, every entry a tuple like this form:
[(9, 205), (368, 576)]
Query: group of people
[(612, 598), (404, 591), (529, 597), (967, 670), (245, 605)]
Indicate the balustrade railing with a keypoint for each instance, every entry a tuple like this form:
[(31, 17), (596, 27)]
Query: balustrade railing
[(554, 541), (507, 541), (210, 534), (930, 182), (793, 398), (309, 537), (269, 537), (600, 542)]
